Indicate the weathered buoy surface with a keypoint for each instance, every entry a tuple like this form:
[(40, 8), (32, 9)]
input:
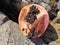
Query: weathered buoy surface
[(33, 20)]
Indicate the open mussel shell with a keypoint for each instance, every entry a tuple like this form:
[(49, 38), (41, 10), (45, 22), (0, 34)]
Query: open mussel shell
[(38, 26)]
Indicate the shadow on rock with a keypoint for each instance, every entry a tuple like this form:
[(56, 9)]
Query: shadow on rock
[(11, 13), (38, 41), (9, 7), (49, 36)]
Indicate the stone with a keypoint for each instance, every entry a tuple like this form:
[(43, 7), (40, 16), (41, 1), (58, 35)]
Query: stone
[(3, 18), (4, 33), (54, 43), (37, 1), (10, 34), (18, 39), (58, 4), (46, 1), (25, 1), (39, 41), (46, 6), (56, 26), (50, 34), (32, 1)]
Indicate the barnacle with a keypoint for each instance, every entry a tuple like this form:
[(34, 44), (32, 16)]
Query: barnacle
[(31, 16)]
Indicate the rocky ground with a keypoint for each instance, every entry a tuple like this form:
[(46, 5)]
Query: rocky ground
[(9, 30)]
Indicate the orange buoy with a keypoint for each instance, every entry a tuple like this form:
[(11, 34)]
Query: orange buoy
[(33, 20)]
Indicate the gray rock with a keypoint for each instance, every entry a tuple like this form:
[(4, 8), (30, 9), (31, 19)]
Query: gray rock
[(15, 35), (4, 33), (25, 1), (46, 1), (24, 42), (50, 34), (54, 43), (58, 4), (37, 1), (10, 35), (3, 18), (19, 39), (32, 1), (45, 6)]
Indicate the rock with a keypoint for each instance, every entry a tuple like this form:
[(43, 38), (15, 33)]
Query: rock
[(54, 43), (50, 34), (37, 1), (25, 1), (56, 26), (32, 1), (46, 1), (10, 35), (53, 13), (3, 18), (45, 6), (4, 33), (58, 4)]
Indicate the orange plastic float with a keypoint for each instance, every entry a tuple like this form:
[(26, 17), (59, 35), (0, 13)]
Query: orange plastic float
[(33, 20)]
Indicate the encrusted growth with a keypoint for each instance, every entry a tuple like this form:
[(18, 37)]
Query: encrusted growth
[(31, 16)]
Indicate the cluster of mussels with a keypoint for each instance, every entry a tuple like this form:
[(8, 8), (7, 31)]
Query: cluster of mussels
[(31, 16)]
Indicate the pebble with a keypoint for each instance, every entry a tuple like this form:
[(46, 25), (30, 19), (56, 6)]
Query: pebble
[(56, 27), (46, 6), (54, 43), (46, 1), (3, 18), (4, 33), (58, 4)]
